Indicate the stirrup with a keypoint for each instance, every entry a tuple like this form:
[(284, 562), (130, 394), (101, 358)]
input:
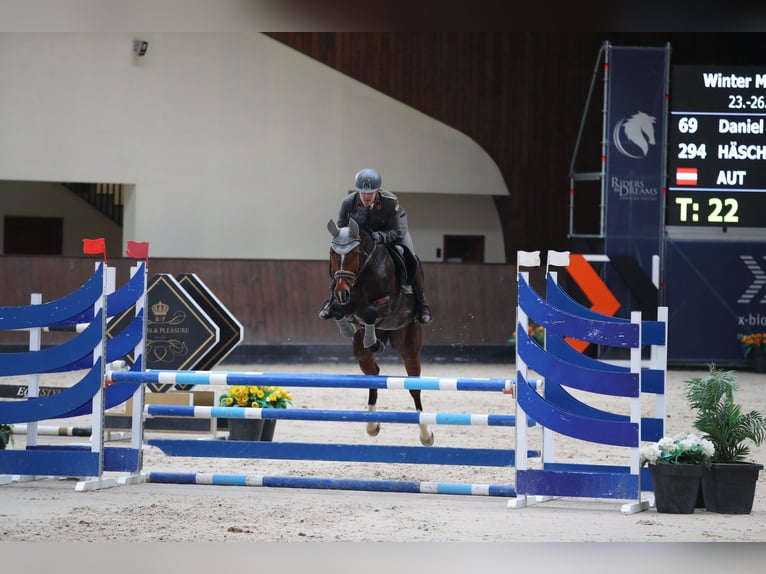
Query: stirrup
[(424, 315)]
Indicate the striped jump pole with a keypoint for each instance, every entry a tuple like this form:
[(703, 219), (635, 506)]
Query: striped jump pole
[(412, 417), (386, 454), (331, 483), (52, 430), (313, 380)]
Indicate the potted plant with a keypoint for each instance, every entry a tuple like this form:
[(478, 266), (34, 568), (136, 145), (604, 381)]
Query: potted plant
[(6, 435), (676, 464), (754, 347), (260, 397), (728, 486)]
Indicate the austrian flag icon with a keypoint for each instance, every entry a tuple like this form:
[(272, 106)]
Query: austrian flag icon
[(686, 176)]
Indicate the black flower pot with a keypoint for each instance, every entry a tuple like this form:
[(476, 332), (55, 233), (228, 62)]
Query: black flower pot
[(675, 487), (729, 488), (268, 429), (245, 429), (759, 360)]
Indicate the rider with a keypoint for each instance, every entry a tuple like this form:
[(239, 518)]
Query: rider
[(378, 212)]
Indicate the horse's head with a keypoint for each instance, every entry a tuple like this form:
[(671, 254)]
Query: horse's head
[(346, 258)]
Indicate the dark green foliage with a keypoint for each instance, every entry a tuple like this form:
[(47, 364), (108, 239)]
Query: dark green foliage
[(720, 419), (6, 434)]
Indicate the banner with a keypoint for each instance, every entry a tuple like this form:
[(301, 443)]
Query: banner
[(636, 136), (717, 293)]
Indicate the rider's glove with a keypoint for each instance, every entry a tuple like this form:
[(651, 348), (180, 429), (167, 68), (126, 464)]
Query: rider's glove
[(378, 237)]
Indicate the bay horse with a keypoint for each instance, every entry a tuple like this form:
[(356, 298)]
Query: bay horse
[(371, 305)]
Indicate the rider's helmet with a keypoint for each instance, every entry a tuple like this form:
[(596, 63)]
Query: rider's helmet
[(367, 180)]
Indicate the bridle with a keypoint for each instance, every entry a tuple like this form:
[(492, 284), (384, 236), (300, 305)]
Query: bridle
[(343, 251), (345, 241)]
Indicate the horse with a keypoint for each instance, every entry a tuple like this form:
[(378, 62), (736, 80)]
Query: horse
[(372, 306)]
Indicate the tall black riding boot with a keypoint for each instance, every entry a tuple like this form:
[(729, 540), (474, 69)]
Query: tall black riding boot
[(416, 280), (424, 310)]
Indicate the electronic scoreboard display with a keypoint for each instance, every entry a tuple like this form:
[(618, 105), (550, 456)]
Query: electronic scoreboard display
[(717, 147)]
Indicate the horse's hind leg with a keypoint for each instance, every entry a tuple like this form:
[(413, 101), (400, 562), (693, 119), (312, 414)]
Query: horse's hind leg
[(408, 343), (426, 434), (373, 428), (369, 366)]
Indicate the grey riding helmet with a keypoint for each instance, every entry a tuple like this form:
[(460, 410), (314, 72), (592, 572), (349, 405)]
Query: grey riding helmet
[(367, 180)]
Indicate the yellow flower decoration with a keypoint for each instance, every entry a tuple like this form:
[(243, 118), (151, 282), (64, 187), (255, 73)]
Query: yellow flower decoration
[(256, 396)]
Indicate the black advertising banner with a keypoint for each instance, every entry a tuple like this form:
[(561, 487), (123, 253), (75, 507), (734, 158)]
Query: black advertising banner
[(179, 333), (635, 136), (231, 331), (718, 293)]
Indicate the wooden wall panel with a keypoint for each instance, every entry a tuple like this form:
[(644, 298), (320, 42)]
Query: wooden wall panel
[(277, 301)]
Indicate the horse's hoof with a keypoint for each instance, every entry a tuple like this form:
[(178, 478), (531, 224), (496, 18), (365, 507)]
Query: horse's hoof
[(374, 430), (427, 441), (377, 347)]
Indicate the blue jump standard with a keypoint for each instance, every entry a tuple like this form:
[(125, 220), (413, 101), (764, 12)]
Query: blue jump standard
[(333, 483)]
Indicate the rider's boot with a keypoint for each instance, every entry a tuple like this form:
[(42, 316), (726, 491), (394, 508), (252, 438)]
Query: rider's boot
[(424, 310), (416, 280)]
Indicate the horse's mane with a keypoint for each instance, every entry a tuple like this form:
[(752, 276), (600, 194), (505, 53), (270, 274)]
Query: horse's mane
[(366, 238)]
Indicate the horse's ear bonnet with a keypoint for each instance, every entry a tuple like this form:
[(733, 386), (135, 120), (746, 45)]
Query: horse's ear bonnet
[(344, 239)]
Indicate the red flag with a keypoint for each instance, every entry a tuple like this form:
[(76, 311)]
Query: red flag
[(94, 247), (686, 176), (138, 249)]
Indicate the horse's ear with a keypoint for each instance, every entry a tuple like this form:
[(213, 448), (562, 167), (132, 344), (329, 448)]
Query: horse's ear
[(353, 226), (332, 228)]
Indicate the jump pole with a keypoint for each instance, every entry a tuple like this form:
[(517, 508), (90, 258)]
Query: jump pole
[(331, 452), (332, 483), (311, 380)]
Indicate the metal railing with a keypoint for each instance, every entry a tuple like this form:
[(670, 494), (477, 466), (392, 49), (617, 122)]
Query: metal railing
[(105, 197)]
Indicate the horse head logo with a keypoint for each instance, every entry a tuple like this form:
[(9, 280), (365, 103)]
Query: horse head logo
[(638, 130)]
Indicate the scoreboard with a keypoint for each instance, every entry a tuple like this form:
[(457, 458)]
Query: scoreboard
[(717, 147)]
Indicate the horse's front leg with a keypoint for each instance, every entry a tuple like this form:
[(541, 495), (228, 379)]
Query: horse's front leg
[(372, 313), (370, 338)]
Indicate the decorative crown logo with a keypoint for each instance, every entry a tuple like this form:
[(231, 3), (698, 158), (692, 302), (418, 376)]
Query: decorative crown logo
[(160, 310)]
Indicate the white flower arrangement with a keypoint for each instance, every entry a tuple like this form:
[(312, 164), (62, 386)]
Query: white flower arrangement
[(681, 448)]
